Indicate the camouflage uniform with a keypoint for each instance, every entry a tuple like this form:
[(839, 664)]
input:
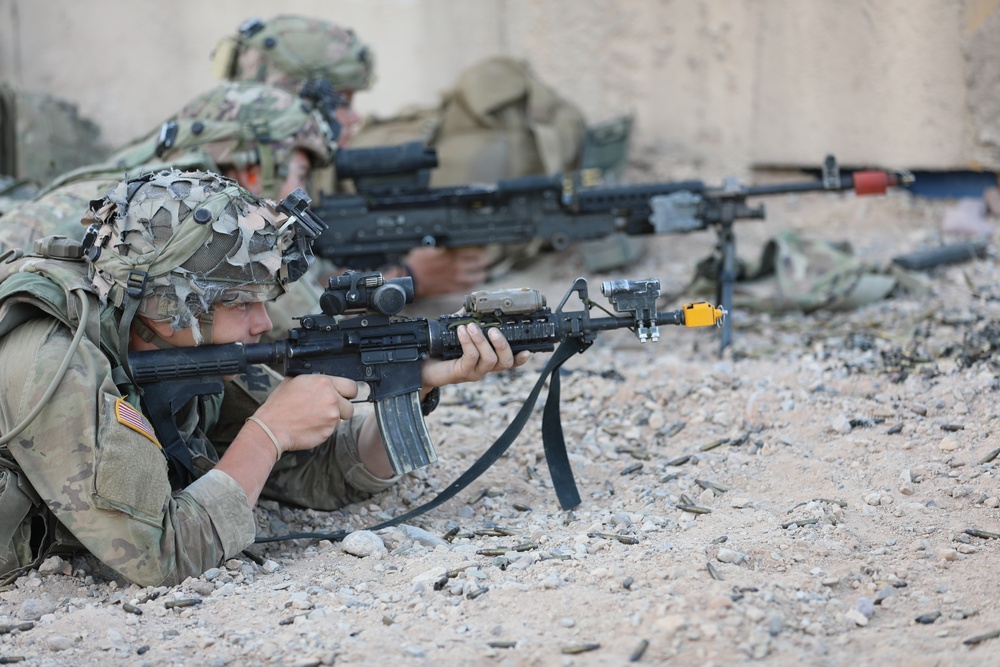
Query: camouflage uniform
[(287, 51), (233, 125), (88, 468)]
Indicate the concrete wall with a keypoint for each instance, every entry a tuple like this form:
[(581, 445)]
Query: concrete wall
[(717, 86)]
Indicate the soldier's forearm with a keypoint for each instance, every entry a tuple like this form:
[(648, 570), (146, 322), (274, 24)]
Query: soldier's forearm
[(371, 451), (249, 460)]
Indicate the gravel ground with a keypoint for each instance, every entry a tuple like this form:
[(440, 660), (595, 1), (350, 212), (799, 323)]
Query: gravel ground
[(834, 468)]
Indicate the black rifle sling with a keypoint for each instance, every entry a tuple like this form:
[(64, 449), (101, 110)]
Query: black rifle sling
[(156, 404), (552, 436), (554, 443)]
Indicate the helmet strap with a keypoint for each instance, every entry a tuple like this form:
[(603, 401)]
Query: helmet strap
[(135, 288), (206, 323), (143, 331), (267, 169)]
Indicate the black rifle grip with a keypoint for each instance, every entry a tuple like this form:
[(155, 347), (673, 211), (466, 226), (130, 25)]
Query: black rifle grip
[(404, 432)]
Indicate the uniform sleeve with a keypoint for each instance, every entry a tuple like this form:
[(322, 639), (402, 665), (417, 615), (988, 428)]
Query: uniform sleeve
[(99, 468)]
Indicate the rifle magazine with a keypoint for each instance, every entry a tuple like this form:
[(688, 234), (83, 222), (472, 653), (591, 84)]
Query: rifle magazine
[(404, 432)]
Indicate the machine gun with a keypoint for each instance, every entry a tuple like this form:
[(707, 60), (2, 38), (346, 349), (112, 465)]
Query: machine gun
[(395, 210), (360, 336)]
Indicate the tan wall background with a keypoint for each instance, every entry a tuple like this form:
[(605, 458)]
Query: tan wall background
[(717, 86)]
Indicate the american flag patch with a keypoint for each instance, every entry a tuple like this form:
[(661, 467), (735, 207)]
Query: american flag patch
[(132, 418)]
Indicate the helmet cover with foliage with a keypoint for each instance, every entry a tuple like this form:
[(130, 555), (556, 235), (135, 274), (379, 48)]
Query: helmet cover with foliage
[(200, 238), (288, 50)]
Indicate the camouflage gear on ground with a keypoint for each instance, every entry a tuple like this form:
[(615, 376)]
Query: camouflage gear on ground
[(200, 238), (42, 136), (286, 51), (796, 273)]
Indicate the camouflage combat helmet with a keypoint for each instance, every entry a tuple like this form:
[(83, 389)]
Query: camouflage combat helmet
[(289, 50), (242, 124), (169, 245)]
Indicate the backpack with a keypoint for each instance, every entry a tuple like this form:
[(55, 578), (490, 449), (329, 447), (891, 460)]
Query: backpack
[(30, 286), (500, 121)]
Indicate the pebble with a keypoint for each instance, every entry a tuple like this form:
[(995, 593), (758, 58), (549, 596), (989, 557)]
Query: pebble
[(422, 536), (58, 643), (948, 554), (856, 617), (51, 565), (841, 424), (865, 606), (202, 588), (364, 543), (948, 444), (730, 556), (33, 609)]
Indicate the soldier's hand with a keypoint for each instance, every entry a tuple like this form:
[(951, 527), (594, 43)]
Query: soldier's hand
[(480, 356), (438, 271), (305, 410)]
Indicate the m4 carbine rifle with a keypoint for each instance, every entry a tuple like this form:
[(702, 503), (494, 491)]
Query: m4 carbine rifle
[(395, 211), (359, 336)]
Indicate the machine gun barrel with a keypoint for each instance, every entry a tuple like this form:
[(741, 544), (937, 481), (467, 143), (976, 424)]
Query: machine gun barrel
[(396, 212)]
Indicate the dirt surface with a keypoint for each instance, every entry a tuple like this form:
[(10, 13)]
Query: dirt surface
[(833, 465)]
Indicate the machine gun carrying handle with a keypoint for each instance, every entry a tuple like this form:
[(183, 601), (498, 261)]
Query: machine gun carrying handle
[(404, 432)]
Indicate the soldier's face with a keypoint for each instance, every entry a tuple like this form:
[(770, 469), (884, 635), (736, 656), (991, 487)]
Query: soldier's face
[(240, 323)]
